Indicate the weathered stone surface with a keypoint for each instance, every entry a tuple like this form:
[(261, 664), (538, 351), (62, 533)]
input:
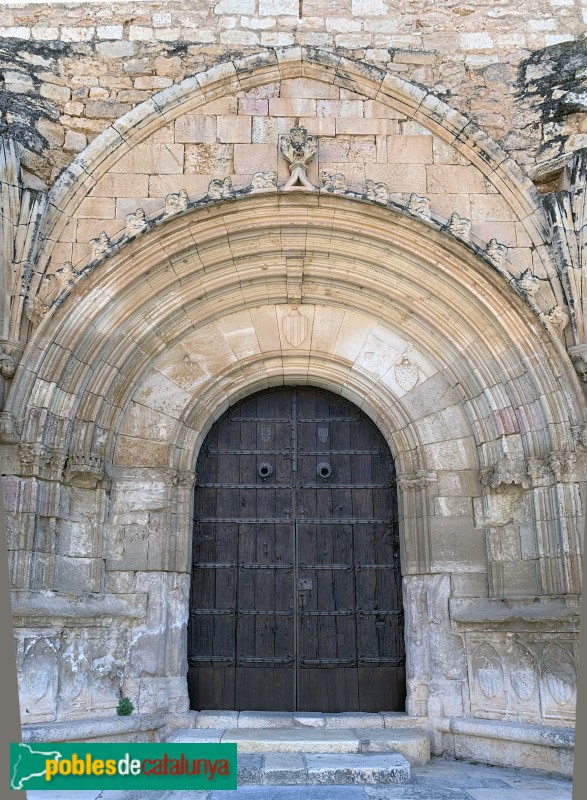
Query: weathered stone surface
[(342, 769), (216, 719), (293, 740), (194, 735), (412, 743), (351, 719), (284, 768), (264, 719)]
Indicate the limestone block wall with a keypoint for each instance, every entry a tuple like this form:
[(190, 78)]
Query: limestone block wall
[(238, 136), (514, 70)]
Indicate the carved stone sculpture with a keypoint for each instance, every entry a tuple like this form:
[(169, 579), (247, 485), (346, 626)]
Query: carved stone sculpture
[(419, 205), (36, 309), (100, 246), (529, 282), (85, 469), (136, 222), (558, 319), (580, 436), (298, 149), (7, 366), (333, 182), (176, 202), (506, 471), (7, 370), (262, 181), (220, 188), (496, 252), (65, 276), (378, 192), (8, 430), (579, 358), (460, 227), (406, 374)]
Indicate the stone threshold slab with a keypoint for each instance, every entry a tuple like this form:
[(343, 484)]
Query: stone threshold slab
[(293, 740), (315, 769), (210, 718)]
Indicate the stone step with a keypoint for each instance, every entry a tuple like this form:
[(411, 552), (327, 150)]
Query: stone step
[(315, 769), (305, 719), (413, 744)]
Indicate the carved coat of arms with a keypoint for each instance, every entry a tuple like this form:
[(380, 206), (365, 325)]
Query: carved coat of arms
[(295, 328), (406, 374)]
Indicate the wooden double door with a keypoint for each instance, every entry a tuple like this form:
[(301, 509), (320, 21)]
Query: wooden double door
[(296, 584)]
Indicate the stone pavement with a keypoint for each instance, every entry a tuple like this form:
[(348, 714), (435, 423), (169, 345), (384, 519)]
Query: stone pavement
[(438, 780)]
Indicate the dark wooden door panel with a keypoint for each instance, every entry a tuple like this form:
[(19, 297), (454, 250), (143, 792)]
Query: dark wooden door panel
[(296, 589)]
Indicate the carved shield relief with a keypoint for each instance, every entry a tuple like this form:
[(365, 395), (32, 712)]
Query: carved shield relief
[(488, 671), (559, 673), (406, 374), (265, 433), (295, 328)]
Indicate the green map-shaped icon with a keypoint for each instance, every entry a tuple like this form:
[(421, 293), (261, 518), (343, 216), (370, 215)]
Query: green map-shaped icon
[(29, 762)]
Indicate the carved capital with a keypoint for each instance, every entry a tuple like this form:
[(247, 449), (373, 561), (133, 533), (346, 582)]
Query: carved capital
[(39, 461), (505, 472), (410, 481), (85, 469), (181, 479), (562, 465), (558, 467), (8, 428)]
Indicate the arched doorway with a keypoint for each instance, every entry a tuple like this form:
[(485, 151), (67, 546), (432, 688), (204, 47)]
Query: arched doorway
[(296, 583)]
